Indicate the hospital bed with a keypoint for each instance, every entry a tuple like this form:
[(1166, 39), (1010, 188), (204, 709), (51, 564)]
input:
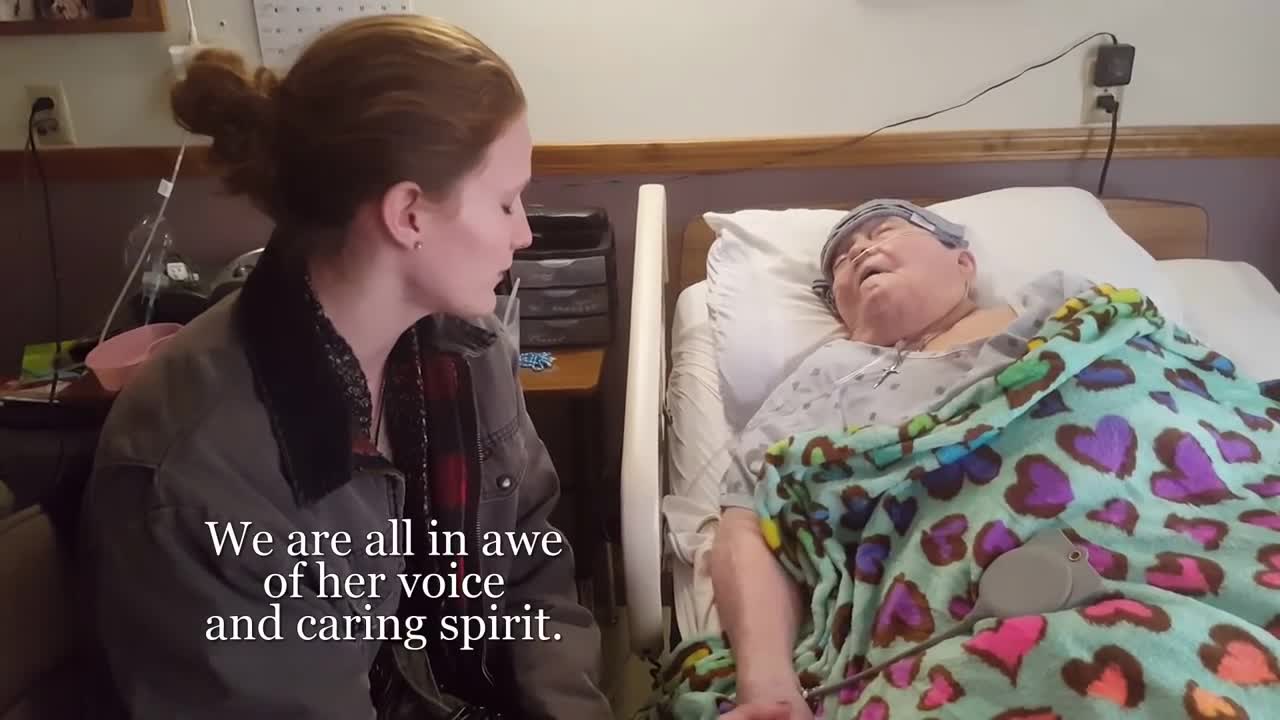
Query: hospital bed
[(676, 429)]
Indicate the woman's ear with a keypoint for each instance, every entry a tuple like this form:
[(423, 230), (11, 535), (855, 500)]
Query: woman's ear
[(968, 263), (402, 214)]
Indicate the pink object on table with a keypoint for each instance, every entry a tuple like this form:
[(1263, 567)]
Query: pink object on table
[(117, 360)]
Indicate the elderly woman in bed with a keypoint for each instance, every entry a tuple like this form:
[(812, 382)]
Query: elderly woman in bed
[(901, 279)]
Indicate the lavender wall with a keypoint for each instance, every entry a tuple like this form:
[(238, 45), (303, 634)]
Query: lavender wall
[(93, 219)]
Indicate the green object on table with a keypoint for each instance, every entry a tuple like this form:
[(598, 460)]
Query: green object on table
[(37, 360)]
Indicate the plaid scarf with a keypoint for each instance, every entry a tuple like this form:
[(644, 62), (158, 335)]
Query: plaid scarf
[(431, 426)]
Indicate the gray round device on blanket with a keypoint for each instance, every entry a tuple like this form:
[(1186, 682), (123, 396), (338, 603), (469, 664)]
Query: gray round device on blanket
[(1046, 574)]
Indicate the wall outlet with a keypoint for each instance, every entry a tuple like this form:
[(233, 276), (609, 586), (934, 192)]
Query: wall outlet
[(1091, 114), (53, 127)]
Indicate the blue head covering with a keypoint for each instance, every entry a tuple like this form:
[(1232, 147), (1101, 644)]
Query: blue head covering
[(948, 233)]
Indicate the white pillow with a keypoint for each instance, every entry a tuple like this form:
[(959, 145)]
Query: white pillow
[(766, 319), (1226, 302), (764, 316)]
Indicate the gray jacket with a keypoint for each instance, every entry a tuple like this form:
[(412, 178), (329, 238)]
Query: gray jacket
[(239, 420)]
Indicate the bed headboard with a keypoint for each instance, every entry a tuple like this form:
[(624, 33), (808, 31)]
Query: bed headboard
[(1167, 230)]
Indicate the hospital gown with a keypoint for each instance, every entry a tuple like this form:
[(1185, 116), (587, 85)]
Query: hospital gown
[(835, 386)]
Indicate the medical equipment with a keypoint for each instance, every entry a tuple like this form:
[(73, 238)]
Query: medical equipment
[(1046, 574), (148, 226)]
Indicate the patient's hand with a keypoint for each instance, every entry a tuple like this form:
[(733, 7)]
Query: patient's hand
[(771, 701), (768, 711), (759, 711)]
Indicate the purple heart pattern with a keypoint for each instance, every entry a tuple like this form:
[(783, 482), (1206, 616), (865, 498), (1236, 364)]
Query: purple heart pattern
[(1042, 489), (902, 673), (858, 507), (960, 607), (1111, 446), (1105, 375), (1268, 488), (993, 540), (1189, 381), (901, 513), (1049, 405), (1232, 446), (904, 615), (979, 466), (1118, 513), (944, 542), (1164, 398), (868, 561), (1255, 422), (1146, 344), (1190, 477)]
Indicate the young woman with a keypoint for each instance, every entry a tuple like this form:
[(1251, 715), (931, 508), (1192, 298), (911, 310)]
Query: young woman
[(358, 380)]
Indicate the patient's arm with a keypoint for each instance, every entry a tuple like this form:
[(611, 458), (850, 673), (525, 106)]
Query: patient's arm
[(759, 606)]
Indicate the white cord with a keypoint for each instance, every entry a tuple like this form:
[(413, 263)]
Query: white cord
[(191, 27), (166, 190)]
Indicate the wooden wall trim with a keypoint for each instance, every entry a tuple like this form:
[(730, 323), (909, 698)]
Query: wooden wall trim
[(902, 148)]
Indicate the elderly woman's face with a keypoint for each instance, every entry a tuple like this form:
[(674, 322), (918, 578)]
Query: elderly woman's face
[(904, 282)]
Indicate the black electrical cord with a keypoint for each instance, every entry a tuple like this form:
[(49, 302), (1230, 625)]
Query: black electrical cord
[(846, 144), (39, 106), (854, 141), (1113, 107)]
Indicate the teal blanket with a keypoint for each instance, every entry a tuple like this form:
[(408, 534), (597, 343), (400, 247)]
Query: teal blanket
[(1148, 449)]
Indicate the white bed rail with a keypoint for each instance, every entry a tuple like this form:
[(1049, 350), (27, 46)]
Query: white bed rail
[(643, 456)]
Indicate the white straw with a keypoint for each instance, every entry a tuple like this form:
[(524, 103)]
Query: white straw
[(511, 301)]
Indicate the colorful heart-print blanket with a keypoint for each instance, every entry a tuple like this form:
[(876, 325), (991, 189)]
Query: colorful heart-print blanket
[(1146, 448)]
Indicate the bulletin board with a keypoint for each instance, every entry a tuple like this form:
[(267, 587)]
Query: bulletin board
[(285, 28)]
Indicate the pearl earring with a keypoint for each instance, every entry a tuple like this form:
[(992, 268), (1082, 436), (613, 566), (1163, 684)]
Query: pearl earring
[(417, 245)]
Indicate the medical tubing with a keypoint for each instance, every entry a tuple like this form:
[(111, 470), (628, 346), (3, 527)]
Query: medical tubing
[(823, 690), (164, 203)]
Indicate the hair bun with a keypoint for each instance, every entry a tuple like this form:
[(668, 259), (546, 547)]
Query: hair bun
[(222, 98)]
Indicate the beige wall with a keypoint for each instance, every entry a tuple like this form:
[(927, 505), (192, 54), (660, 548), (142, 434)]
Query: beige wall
[(679, 69)]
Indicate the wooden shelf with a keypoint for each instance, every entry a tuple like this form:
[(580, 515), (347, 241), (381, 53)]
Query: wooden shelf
[(148, 16)]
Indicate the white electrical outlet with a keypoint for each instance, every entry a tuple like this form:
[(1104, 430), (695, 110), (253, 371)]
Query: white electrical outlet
[(53, 127)]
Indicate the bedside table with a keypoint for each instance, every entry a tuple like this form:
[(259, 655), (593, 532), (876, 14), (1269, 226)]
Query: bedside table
[(575, 373), (574, 379)]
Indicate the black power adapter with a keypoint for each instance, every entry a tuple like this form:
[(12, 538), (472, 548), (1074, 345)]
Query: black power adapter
[(1114, 65)]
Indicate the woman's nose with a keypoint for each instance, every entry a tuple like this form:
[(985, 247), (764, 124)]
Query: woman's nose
[(524, 236)]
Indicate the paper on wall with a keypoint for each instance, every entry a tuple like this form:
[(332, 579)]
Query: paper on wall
[(285, 28)]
